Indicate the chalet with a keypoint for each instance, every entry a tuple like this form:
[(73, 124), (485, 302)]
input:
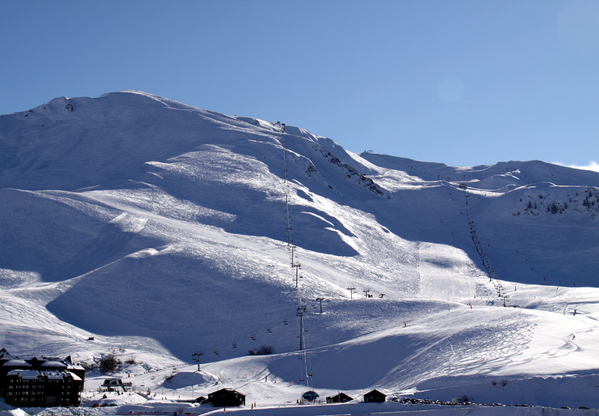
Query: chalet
[(226, 397), (310, 396), (374, 396), (40, 381), (339, 398)]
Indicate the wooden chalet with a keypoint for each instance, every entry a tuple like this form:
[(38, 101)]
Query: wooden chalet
[(226, 398), (339, 398), (374, 396)]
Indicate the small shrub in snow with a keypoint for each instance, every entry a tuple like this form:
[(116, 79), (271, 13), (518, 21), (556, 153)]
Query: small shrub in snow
[(262, 350), (109, 363)]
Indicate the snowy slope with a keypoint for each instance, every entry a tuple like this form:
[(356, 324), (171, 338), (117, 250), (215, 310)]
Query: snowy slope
[(161, 230)]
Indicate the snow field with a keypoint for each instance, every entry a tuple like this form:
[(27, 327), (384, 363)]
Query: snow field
[(160, 230)]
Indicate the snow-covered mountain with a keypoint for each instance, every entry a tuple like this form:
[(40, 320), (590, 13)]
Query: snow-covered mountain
[(161, 230)]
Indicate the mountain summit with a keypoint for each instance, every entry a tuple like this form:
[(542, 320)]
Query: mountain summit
[(160, 230)]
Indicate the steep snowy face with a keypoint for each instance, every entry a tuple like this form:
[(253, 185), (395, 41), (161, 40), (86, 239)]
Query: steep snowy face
[(168, 229), (114, 196), (105, 140)]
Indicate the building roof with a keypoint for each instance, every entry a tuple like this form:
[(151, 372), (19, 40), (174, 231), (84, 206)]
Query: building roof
[(8, 361), (54, 364), (310, 395), (113, 382), (50, 374), (225, 390), (17, 363), (25, 374), (375, 392), (340, 395)]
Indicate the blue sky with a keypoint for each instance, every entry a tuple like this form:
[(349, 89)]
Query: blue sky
[(462, 82)]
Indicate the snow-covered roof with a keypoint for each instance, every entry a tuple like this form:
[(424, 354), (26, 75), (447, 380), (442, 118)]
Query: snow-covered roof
[(25, 374), (58, 375), (54, 364), (113, 381), (17, 363), (49, 374), (73, 376)]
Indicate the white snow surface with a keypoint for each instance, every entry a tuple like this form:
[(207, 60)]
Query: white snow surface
[(152, 230)]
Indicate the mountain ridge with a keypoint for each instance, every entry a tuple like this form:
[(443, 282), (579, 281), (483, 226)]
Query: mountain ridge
[(166, 229)]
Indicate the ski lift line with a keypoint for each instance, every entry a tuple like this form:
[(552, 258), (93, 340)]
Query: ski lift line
[(304, 353), (304, 362), (305, 368), (490, 270), (286, 183), (307, 361)]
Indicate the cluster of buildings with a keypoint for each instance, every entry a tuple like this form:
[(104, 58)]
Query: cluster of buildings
[(40, 381), (230, 398), (50, 381)]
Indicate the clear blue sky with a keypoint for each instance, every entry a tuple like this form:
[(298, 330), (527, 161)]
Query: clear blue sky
[(462, 82)]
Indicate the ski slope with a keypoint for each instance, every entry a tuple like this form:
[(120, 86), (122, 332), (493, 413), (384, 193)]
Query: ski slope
[(161, 230)]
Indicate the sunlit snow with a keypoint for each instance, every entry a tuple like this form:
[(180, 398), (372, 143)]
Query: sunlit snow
[(135, 225)]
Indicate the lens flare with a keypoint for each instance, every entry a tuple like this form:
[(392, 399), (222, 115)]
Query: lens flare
[(451, 90)]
